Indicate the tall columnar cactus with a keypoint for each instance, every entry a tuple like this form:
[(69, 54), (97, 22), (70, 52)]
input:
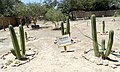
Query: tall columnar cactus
[(26, 36), (110, 43), (103, 48), (63, 33), (103, 28), (68, 26), (62, 28), (15, 42), (22, 39), (94, 36)]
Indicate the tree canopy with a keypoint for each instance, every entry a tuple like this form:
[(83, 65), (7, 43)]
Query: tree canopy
[(16, 7)]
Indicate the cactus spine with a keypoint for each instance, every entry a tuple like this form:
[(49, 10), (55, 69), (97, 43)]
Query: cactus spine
[(103, 26), (62, 28), (68, 26), (94, 36), (15, 42), (110, 43), (22, 39)]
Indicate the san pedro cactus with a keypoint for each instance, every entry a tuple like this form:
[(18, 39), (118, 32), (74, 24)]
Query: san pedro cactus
[(22, 39), (110, 43), (103, 28), (15, 42), (62, 28), (103, 48), (26, 36), (94, 36), (13, 52), (68, 26)]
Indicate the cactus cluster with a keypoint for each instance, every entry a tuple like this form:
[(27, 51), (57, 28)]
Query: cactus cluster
[(67, 30), (16, 51), (95, 43), (67, 27)]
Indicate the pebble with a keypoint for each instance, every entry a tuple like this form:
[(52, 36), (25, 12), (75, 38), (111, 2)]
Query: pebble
[(29, 53), (105, 62), (113, 66)]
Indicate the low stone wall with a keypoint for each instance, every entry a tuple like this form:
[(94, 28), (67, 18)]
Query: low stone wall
[(7, 20), (83, 14)]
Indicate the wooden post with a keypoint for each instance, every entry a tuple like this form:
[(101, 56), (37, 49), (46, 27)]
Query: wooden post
[(65, 48)]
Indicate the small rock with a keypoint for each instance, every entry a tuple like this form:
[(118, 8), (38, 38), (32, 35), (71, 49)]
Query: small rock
[(31, 57), (29, 53), (23, 62), (2, 67), (92, 60), (100, 63), (35, 50), (113, 66), (105, 62)]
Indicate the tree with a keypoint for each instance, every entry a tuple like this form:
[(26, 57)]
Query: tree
[(54, 16), (68, 6), (7, 7), (100, 5), (87, 5)]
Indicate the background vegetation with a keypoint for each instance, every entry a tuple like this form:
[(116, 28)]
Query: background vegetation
[(60, 8)]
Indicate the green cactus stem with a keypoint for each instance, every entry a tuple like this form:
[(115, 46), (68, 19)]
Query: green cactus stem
[(110, 43), (63, 33), (103, 48), (68, 26), (103, 28), (94, 36), (62, 28), (26, 36), (13, 52), (22, 39), (15, 42)]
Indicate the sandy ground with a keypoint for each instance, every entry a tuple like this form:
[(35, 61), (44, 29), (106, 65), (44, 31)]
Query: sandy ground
[(50, 58)]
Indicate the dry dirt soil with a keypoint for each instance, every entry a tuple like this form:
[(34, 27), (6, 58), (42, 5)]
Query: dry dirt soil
[(50, 58)]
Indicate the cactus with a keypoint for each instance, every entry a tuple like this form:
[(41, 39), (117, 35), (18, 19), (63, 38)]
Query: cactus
[(68, 26), (103, 27), (103, 48), (63, 33), (13, 52), (22, 39), (110, 43), (62, 28), (94, 36), (15, 42), (26, 36)]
